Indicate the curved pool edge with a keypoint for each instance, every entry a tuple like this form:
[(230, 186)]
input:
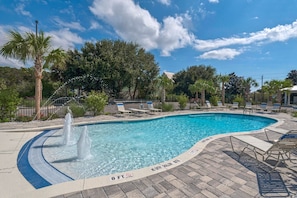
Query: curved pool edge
[(90, 183)]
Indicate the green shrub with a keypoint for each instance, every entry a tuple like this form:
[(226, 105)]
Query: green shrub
[(9, 100), (96, 102), (77, 110), (239, 99), (214, 100), (167, 107), (182, 101)]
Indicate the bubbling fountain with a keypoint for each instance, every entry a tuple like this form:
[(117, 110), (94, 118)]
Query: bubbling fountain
[(67, 129), (84, 145)]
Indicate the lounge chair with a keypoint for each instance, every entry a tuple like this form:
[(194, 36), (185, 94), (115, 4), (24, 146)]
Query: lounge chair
[(248, 107), (276, 107), (277, 130), (235, 105), (150, 106), (138, 111), (280, 148), (262, 106), (207, 103), (121, 108), (220, 104)]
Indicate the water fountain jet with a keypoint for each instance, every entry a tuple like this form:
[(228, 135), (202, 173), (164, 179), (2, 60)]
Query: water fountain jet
[(67, 128), (84, 145)]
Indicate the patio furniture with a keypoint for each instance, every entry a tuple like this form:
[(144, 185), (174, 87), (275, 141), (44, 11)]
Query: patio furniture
[(280, 148), (262, 106), (150, 106), (121, 108), (248, 107), (277, 130), (235, 105), (276, 107)]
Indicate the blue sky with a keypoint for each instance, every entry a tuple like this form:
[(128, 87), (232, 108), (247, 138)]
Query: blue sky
[(252, 38)]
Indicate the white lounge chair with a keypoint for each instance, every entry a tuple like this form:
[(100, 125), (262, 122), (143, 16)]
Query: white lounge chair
[(208, 105), (276, 107), (277, 130), (262, 107), (121, 108), (281, 148), (150, 106), (220, 104), (235, 105), (138, 111), (248, 107)]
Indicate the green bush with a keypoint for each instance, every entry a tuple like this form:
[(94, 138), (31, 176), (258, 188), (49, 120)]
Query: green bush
[(182, 101), (9, 100), (239, 99), (96, 102), (77, 110), (167, 107), (214, 100)]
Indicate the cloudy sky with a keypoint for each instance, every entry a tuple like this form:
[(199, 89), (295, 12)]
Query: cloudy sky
[(252, 38)]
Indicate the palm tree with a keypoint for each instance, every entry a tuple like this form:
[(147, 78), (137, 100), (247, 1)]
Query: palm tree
[(223, 79), (247, 84), (165, 83), (37, 48), (275, 87), (201, 86)]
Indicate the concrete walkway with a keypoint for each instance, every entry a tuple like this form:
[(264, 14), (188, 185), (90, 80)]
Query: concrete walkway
[(215, 171)]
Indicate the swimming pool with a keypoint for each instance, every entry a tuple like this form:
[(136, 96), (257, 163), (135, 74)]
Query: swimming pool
[(125, 146)]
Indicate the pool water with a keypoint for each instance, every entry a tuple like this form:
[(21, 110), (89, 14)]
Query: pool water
[(123, 146)]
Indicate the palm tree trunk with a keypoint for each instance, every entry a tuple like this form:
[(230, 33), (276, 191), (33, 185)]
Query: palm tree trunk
[(38, 86), (203, 97), (163, 95), (223, 94)]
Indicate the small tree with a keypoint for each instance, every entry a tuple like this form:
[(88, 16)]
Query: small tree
[(182, 101), (9, 101), (96, 102)]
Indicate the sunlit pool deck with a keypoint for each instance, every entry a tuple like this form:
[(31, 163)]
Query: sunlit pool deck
[(209, 169)]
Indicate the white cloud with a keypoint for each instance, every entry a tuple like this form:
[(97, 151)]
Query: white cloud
[(64, 39), (95, 25), (20, 8), (173, 35), (221, 54), (213, 1), (279, 33), (132, 23), (165, 2), (71, 25), (10, 62)]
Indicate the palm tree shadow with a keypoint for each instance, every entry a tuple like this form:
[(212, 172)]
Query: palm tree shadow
[(270, 182)]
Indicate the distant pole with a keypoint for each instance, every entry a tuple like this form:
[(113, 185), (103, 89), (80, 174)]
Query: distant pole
[(262, 88), (36, 28)]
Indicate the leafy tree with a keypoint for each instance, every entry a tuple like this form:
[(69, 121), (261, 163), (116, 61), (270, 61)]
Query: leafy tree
[(33, 47), (292, 75), (189, 76), (182, 101), (233, 87), (96, 102), (9, 101)]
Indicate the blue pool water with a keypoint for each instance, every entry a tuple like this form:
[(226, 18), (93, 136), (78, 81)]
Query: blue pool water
[(123, 146)]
